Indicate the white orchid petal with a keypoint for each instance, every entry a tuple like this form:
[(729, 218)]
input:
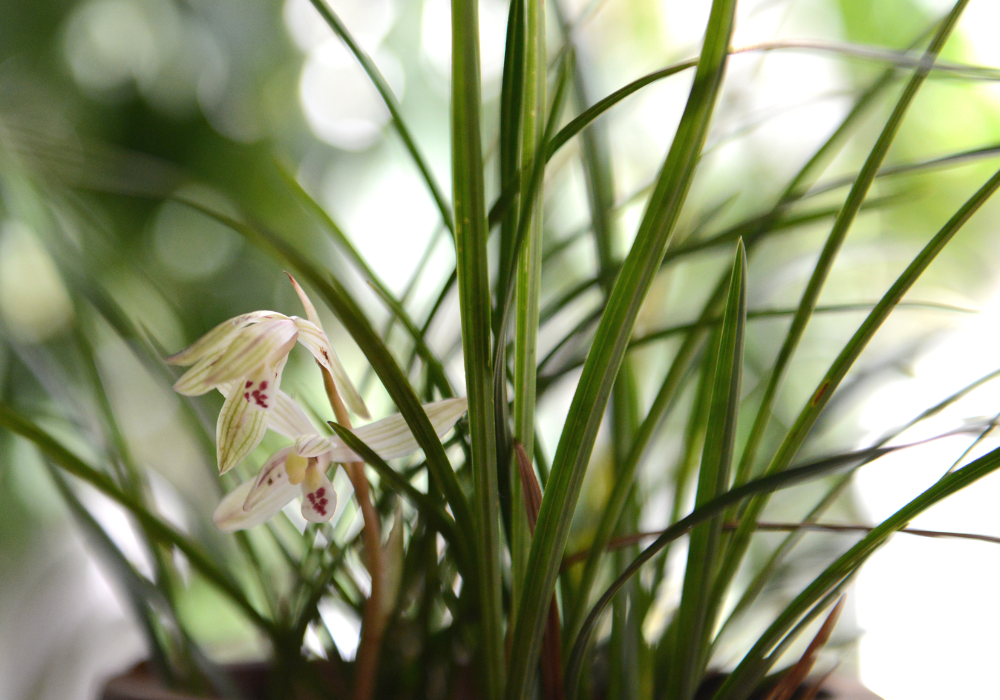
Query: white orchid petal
[(306, 303), (445, 413), (227, 388), (319, 500), (262, 343), (230, 515), (260, 388), (238, 431), (391, 437), (315, 340), (312, 445), (195, 382), (215, 340), (271, 477), (288, 419)]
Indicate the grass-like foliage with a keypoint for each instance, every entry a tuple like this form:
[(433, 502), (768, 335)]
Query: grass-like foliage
[(478, 564)]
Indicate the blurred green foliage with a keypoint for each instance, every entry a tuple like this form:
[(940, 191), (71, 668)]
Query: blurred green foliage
[(110, 110)]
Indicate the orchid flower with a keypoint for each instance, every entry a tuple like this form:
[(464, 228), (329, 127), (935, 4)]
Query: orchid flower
[(301, 468), (243, 358)]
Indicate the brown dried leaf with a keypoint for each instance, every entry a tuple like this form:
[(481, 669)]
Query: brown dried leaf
[(795, 676)]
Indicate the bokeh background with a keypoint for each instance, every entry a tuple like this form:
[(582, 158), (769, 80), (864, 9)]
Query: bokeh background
[(109, 106)]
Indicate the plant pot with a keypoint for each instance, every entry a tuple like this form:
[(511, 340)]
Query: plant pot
[(251, 679)]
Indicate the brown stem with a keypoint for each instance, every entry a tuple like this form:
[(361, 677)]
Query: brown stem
[(551, 659), (372, 625), (629, 540)]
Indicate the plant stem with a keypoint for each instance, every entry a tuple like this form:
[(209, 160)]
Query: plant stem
[(372, 622)]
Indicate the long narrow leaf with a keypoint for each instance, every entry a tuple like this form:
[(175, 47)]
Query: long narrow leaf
[(626, 646), (142, 594), (766, 571), (506, 290), (72, 464), (685, 328), (434, 365), (474, 302), (593, 391), (897, 59), (842, 225), (752, 231), (427, 507), (528, 293), (765, 484), (845, 360), (511, 97), (695, 621), (848, 563)]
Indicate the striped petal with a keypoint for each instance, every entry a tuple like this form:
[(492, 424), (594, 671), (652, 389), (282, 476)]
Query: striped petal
[(262, 343), (216, 339), (239, 430), (230, 514), (288, 419), (391, 437), (312, 445), (316, 342), (195, 382)]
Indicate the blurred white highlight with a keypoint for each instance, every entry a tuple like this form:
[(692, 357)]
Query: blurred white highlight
[(344, 626), (436, 40), (340, 103), (932, 604)]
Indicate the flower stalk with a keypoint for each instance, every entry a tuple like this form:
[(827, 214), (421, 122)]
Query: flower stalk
[(373, 621)]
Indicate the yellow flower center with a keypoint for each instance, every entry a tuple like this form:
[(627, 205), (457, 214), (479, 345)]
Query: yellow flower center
[(312, 476), (296, 466)]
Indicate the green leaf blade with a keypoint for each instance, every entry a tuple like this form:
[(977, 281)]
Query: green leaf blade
[(475, 309), (601, 369), (698, 610)]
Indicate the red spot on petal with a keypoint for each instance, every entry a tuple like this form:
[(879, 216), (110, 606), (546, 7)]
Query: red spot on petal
[(249, 384), (263, 385), (259, 398), (246, 396), (318, 504)]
